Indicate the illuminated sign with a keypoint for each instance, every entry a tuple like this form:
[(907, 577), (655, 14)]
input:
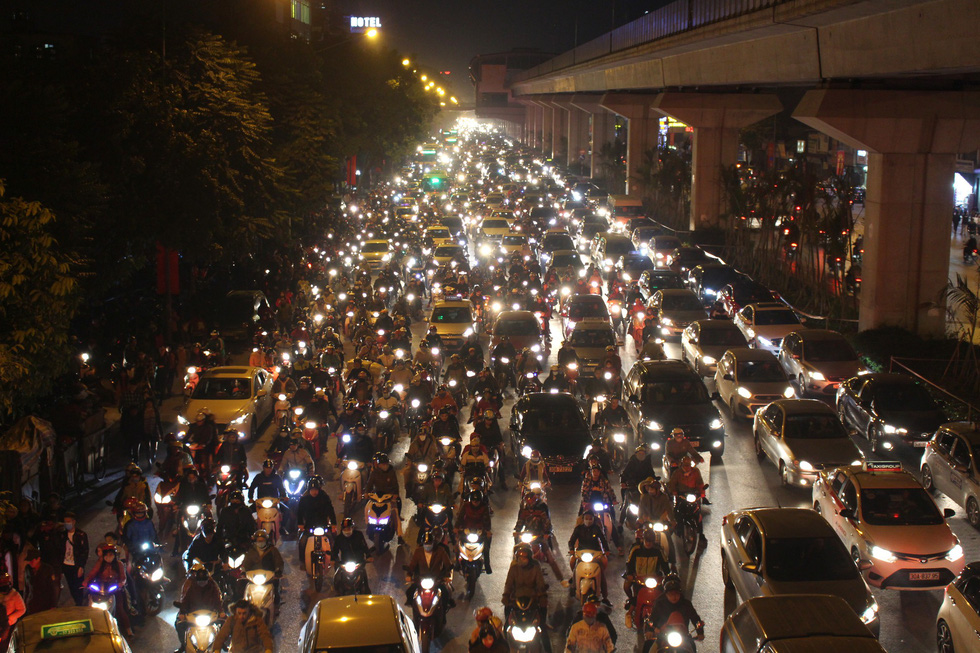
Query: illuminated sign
[(364, 23), (67, 629)]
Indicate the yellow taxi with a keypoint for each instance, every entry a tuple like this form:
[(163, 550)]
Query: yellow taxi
[(68, 629), (887, 520), (376, 253), (515, 243), (366, 623), (453, 320), (439, 235)]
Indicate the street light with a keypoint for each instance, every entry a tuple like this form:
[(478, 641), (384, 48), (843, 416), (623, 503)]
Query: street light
[(371, 33), (406, 62)]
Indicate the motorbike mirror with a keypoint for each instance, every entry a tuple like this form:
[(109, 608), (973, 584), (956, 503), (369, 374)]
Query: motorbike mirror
[(864, 565)]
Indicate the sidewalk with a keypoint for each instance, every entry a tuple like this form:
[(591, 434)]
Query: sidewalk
[(969, 271)]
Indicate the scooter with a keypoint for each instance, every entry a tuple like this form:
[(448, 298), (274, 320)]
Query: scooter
[(261, 594), (350, 481), (587, 572), (615, 437), (103, 596), (471, 547), (429, 612), (202, 629), (317, 555), (229, 479), (523, 627), (150, 578), (418, 479), (294, 485), (602, 515), (687, 508), (230, 576), (190, 523), (431, 516), (163, 502), (268, 516), (674, 639), (350, 578), (311, 435), (384, 430), (379, 516), (646, 593)]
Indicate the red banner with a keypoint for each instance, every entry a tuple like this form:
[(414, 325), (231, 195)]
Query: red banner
[(168, 265)]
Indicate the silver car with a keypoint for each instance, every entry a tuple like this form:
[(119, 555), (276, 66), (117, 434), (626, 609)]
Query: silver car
[(748, 379), (674, 309), (951, 464), (777, 551), (819, 360), (802, 437), (703, 343)]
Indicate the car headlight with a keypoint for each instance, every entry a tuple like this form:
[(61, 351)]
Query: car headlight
[(763, 342), (239, 420), (708, 360), (182, 420), (666, 321), (716, 423), (816, 375), (955, 553), (871, 613), (742, 392), (805, 466), (789, 393), (654, 425), (884, 555), (856, 463), (891, 430)]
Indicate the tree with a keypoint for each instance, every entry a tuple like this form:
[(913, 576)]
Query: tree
[(37, 301)]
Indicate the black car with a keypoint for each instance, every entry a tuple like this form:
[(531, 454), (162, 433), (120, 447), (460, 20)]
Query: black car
[(663, 395), (683, 259), (554, 425), (742, 292), (653, 280), (707, 280), (633, 265), (889, 408)]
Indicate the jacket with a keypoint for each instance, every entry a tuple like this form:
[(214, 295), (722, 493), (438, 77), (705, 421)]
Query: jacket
[(438, 566), (525, 581), (138, 531), (249, 637), (43, 588), (588, 537), (382, 481), (79, 541), (269, 559), (194, 597), (315, 510)]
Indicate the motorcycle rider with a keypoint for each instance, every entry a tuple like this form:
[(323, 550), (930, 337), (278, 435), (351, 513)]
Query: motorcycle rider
[(204, 434), (505, 349), (383, 480), (535, 517), (110, 571), (557, 380), (193, 491), (360, 447), (638, 467), (235, 522), (139, 529), (679, 446), (297, 456), (391, 402), (423, 449), (655, 504), (177, 459), (444, 400), (314, 509), (589, 635), (430, 561), (596, 482), (685, 480), (135, 488), (525, 578), (672, 602), (230, 452), (612, 414), (436, 491), (446, 426), (264, 555), (589, 535), (474, 514), (350, 546), (488, 430), (535, 470), (205, 548), (199, 592), (646, 559), (266, 483)]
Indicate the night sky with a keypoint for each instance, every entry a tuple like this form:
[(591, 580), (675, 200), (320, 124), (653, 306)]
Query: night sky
[(446, 34)]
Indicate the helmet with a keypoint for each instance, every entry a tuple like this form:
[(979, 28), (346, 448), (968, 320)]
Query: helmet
[(589, 609), (677, 431), (229, 433), (523, 549), (105, 551), (476, 496), (346, 523), (7, 583), (200, 572), (139, 510), (208, 526), (640, 449), (483, 614), (428, 539), (133, 468), (610, 348), (454, 358), (488, 414), (535, 455), (650, 483), (269, 464), (260, 534), (316, 483), (236, 495), (381, 458), (305, 379), (389, 386), (672, 583)]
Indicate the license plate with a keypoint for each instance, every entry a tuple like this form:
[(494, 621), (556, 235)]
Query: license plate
[(923, 575), (695, 443), (924, 443), (560, 470)]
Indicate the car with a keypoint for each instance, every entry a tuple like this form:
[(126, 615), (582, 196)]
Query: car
[(802, 437), (439, 235), (522, 327), (707, 279), (235, 396), (951, 464), (882, 514), (743, 292), (371, 623), (664, 394), (240, 312), (591, 226), (748, 379), (453, 320), (566, 261), (777, 624), (455, 225), (888, 409), (514, 243), (607, 248), (632, 224), (580, 307), (819, 360), (589, 338), (780, 551), (674, 309), (504, 215), (641, 237), (376, 253), (554, 425), (653, 280), (494, 229), (682, 259), (632, 265), (660, 248), (958, 621), (444, 254), (555, 240), (543, 216), (70, 628), (705, 341), (765, 324)]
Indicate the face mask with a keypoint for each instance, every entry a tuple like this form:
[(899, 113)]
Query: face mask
[(202, 583), (589, 620), (427, 548), (347, 533), (69, 525)]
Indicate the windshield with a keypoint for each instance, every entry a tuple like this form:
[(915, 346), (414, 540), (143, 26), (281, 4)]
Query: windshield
[(760, 372), (681, 302), (592, 338), (514, 240), (748, 295), (645, 234), (557, 241), (722, 338), (828, 350), (578, 310), (808, 559), (566, 260), (903, 398), (778, 316), (665, 243), (495, 224), (629, 211), (375, 247), (637, 262), (675, 392), (664, 281), (813, 427), (616, 248), (451, 314), (899, 507), (368, 648), (521, 327), (453, 224), (237, 309), (448, 250), (215, 388), (438, 233), (557, 429)]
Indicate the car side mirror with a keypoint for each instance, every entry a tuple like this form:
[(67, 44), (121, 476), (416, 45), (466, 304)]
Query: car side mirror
[(864, 565), (715, 395), (634, 399), (949, 512), (962, 469), (749, 567), (728, 377), (847, 513)]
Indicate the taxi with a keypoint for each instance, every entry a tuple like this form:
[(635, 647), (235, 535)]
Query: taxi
[(376, 253), (365, 623), (885, 517), (74, 628), (515, 243), (453, 320), (439, 235)]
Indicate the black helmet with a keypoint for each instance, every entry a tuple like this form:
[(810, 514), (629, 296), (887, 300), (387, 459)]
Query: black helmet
[(381, 458), (347, 523), (207, 526), (236, 495), (428, 539), (672, 583), (476, 496), (269, 464), (200, 572), (316, 483)]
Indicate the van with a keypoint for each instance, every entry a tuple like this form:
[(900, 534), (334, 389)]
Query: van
[(624, 207), (794, 622)]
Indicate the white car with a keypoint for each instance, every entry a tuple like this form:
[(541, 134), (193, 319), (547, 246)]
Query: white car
[(748, 379), (958, 622), (951, 464), (703, 342), (764, 325), (883, 515), (237, 397)]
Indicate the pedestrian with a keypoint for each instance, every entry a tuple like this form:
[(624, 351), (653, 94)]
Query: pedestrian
[(956, 222), (42, 586), (75, 555)]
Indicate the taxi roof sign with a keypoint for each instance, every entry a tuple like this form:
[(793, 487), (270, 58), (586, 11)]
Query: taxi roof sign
[(67, 629), (883, 466)]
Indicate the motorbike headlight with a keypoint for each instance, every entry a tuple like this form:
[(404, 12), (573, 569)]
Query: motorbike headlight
[(871, 613), (716, 424), (708, 360), (293, 474), (445, 442), (650, 582), (674, 639), (586, 557), (427, 583), (352, 465), (535, 348), (634, 509), (193, 511), (310, 426), (742, 392), (225, 469), (158, 498), (157, 574), (884, 555), (423, 468), (101, 605), (415, 403), (350, 567), (319, 531), (659, 527), (383, 414), (523, 635), (619, 437), (182, 420), (526, 538), (955, 553), (436, 508), (526, 451), (607, 376), (346, 438), (789, 393), (234, 562), (472, 538), (598, 506), (259, 579), (691, 498)]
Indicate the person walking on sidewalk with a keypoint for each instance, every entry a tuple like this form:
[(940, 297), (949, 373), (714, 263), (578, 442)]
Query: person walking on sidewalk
[(75, 555)]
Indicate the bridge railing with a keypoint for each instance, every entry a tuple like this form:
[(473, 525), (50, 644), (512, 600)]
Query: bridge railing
[(675, 18)]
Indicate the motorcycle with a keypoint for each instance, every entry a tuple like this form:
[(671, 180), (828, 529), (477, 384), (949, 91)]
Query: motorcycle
[(191, 379), (431, 516), (103, 596), (603, 515), (150, 579), (587, 572), (230, 575), (350, 578), (523, 627), (202, 629), (164, 503), (428, 611), (350, 481), (190, 523), (294, 484), (687, 509), (268, 516), (674, 639), (417, 479), (317, 555), (471, 547), (616, 435), (645, 594), (503, 372), (311, 435), (610, 381), (416, 415), (378, 514), (384, 430), (262, 595), (229, 479), (530, 383), (637, 329), (457, 387)]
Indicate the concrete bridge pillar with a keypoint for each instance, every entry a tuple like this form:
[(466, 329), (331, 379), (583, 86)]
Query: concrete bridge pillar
[(559, 137), (642, 131), (912, 139), (546, 124), (577, 133), (601, 127), (717, 119)]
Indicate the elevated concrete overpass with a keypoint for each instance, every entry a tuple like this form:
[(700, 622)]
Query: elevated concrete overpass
[(898, 78)]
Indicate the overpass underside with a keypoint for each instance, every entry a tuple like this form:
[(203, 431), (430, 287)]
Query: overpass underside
[(898, 78)]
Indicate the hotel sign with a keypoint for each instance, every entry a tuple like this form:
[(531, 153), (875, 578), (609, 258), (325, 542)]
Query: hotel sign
[(364, 23)]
